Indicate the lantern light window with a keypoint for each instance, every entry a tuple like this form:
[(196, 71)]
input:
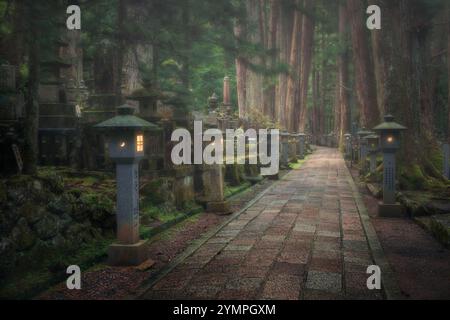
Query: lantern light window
[(140, 143)]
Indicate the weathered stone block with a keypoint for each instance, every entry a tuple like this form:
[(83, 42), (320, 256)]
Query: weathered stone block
[(391, 210), (127, 254), (218, 207)]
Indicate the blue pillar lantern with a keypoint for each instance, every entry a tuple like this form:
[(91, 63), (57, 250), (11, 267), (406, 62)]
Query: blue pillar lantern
[(125, 140), (389, 132)]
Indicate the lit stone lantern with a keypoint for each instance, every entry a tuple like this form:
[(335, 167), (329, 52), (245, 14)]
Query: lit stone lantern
[(363, 145), (348, 145), (372, 150), (389, 132), (125, 137)]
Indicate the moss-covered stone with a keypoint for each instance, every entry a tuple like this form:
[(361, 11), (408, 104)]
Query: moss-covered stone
[(3, 193), (440, 227), (31, 212), (158, 191), (22, 236), (234, 174), (47, 227)]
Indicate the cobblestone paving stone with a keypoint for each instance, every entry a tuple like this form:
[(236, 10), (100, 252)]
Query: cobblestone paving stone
[(302, 240)]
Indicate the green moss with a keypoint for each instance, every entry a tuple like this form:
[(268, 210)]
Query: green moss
[(151, 193), (231, 190), (412, 177), (436, 158), (297, 165)]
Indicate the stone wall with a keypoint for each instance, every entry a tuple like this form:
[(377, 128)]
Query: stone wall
[(40, 219)]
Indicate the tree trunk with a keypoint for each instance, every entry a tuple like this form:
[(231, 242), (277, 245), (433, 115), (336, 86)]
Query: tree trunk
[(255, 80), (307, 42), (343, 77), (284, 43), (119, 55), (294, 64), (31, 122), (322, 85), (365, 79), (241, 69), (379, 63), (270, 91), (448, 67)]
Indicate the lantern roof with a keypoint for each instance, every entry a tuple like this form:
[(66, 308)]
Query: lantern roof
[(364, 132), (126, 119), (389, 124), (372, 136)]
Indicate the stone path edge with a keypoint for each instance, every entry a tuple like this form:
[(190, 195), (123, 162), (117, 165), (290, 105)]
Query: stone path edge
[(196, 245), (388, 279)]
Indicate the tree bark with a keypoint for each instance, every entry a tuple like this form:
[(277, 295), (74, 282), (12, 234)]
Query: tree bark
[(343, 76), (307, 41), (284, 43), (448, 67), (241, 69), (294, 65), (364, 74), (119, 55), (379, 62), (270, 91), (254, 78), (31, 122)]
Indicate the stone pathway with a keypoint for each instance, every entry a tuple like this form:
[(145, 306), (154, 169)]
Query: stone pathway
[(303, 239)]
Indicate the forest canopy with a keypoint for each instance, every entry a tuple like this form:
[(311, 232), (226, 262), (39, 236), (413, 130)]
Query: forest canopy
[(301, 65)]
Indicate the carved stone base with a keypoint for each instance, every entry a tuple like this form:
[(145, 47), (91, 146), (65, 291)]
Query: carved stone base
[(127, 254), (391, 210), (221, 207)]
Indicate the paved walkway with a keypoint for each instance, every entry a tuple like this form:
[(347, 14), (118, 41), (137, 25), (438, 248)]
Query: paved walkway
[(303, 239)]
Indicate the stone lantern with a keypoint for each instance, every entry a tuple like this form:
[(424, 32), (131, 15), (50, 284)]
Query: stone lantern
[(363, 144), (284, 150), (293, 147), (389, 132), (372, 150), (213, 102), (348, 145), (125, 138), (301, 140)]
